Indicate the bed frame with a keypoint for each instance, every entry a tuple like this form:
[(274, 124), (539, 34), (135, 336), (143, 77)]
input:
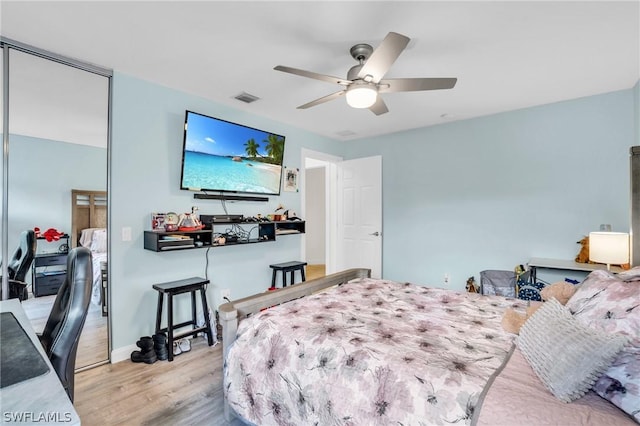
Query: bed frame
[(88, 210), (233, 312)]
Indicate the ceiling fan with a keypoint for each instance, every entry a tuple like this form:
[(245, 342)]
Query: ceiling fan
[(364, 81)]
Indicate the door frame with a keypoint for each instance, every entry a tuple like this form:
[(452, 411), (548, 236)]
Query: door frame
[(331, 190)]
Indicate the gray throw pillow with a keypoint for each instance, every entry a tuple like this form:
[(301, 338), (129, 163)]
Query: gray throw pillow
[(565, 354)]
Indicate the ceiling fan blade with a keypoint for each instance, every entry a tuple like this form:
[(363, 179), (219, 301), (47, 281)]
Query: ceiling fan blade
[(390, 85), (379, 107), (384, 56), (322, 100), (311, 74)]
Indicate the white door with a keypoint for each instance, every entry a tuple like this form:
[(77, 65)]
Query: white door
[(359, 215)]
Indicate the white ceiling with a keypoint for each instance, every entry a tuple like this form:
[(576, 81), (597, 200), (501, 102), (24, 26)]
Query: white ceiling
[(506, 55)]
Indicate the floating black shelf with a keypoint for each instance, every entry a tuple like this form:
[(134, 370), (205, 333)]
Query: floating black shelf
[(267, 231)]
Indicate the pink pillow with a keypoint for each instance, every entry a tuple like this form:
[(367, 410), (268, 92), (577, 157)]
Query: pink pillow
[(612, 304)]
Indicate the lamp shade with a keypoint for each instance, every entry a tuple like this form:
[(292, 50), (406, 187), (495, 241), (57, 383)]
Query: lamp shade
[(361, 95), (611, 248)]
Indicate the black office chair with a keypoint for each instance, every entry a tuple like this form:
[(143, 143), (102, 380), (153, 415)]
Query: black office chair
[(62, 332), (19, 264)]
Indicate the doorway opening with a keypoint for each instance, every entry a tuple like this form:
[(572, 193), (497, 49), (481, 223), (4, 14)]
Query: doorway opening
[(318, 207)]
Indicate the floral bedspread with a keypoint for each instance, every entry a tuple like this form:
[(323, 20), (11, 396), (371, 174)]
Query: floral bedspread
[(371, 352)]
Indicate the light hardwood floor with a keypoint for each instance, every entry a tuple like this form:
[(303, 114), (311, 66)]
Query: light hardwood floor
[(315, 271), (187, 391)]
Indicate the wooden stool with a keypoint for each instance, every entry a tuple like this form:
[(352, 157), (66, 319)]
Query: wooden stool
[(172, 288), (291, 267)]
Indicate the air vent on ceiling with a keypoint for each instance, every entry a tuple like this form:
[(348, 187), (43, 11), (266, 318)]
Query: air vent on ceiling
[(246, 97), (345, 133)]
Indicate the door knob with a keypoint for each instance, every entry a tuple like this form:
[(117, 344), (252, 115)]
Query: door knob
[(375, 234)]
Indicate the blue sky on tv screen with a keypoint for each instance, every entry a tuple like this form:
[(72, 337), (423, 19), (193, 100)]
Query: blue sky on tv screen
[(216, 137)]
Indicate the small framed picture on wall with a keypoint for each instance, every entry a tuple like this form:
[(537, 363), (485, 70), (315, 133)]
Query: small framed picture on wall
[(291, 179)]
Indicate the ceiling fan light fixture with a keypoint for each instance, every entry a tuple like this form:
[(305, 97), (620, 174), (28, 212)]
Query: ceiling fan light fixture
[(361, 95)]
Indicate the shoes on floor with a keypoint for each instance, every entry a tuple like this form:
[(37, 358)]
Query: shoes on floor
[(147, 353), (185, 345), (176, 348), (148, 357), (180, 346), (145, 343), (160, 346)]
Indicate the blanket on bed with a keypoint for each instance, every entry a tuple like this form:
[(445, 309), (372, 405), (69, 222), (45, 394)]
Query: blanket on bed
[(366, 353)]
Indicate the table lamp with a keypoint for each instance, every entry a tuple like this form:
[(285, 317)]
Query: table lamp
[(611, 248)]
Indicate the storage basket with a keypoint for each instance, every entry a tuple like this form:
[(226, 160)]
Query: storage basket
[(501, 283)]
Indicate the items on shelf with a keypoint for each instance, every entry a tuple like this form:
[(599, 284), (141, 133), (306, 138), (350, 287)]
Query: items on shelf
[(51, 234), (189, 222), (221, 234)]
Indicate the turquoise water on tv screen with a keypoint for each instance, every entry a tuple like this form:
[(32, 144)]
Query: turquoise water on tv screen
[(222, 173)]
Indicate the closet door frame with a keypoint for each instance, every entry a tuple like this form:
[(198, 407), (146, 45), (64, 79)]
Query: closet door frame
[(7, 45)]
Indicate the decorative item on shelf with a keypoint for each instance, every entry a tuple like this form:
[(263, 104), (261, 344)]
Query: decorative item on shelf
[(189, 222), (291, 215), (50, 234), (278, 217), (611, 248), (158, 221), (171, 222), (583, 254)]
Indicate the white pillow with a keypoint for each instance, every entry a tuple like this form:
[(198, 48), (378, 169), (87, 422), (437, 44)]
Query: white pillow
[(99, 241), (565, 354)]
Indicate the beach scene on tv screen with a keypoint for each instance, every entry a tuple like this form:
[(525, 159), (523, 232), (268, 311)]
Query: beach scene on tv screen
[(222, 156)]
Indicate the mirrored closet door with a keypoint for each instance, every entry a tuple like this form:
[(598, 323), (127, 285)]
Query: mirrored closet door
[(58, 180)]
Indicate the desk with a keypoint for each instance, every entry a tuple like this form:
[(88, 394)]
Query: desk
[(41, 399), (566, 265)]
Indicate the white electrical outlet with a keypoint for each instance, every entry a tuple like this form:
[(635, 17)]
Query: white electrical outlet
[(126, 233), (225, 292), (446, 278)]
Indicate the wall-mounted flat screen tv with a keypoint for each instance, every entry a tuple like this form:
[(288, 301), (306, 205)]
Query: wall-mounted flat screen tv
[(218, 155)]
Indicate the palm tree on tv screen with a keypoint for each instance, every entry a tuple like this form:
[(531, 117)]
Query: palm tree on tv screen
[(275, 148), (251, 147)]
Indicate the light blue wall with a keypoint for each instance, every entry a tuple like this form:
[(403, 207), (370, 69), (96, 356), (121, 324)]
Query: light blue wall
[(492, 192), (42, 174), (145, 174), (486, 193)]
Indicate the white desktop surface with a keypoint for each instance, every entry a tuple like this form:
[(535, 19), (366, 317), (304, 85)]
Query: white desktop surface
[(41, 399)]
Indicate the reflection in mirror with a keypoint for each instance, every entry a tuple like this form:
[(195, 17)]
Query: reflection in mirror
[(58, 143)]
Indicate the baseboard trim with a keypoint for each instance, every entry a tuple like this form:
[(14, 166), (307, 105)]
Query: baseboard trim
[(122, 354)]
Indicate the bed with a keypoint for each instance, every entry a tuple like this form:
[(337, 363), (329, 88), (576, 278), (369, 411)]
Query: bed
[(366, 351), (88, 229)]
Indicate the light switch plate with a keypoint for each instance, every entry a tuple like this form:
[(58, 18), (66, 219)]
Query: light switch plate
[(126, 233)]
